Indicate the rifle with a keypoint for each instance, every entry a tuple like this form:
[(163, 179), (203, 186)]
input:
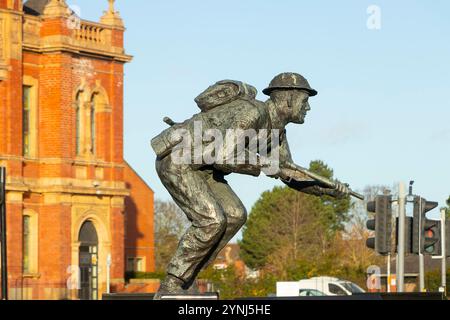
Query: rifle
[(299, 171)]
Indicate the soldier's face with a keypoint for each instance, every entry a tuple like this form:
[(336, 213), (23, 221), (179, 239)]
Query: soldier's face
[(299, 106)]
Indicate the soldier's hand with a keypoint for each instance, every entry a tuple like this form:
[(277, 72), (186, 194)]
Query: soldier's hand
[(342, 190)]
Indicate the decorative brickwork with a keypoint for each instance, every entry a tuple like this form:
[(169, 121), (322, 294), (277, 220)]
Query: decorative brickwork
[(63, 188)]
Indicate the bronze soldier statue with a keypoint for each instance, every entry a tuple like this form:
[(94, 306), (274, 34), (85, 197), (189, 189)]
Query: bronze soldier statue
[(200, 188)]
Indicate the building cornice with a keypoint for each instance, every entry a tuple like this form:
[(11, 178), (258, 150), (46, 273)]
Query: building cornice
[(78, 50), (44, 188), (71, 161)]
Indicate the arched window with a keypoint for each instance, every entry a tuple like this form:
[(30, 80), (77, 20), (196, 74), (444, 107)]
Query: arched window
[(88, 104), (93, 129), (29, 116), (26, 130), (78, 118), (88, 262), (88, 234)]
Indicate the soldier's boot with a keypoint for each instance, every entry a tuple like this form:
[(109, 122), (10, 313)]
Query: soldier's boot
[(170, 285)]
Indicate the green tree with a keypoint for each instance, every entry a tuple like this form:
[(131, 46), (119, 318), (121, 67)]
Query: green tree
[(339, 215), (285, 225), (433, 280)]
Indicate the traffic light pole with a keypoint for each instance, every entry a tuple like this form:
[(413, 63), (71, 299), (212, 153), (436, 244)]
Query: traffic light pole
[(4, 275), (401, 236), (421, 256), (421, 272), (388, 273)]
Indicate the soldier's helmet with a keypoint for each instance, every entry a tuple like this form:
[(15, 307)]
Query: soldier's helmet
[(289, 81)]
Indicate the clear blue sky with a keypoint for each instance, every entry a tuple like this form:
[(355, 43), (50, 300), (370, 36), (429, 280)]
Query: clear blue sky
[(383, 110)]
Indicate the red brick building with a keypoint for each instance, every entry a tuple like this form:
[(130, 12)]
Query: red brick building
[(72, 200)]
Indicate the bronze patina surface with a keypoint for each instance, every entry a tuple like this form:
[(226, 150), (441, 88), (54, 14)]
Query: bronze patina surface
[(201, 190)]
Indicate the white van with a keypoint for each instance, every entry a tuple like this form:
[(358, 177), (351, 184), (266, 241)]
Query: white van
[(318, 286)]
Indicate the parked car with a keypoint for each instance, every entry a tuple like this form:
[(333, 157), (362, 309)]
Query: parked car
[(318, 286), (310, 293)]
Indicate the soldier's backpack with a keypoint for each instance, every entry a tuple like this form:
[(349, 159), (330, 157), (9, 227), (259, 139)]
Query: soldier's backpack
[(224, 92), (219, 94)]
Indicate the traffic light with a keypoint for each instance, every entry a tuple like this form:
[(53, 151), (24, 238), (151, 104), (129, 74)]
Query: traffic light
[(426, 233), (432, 237), (381, 224)]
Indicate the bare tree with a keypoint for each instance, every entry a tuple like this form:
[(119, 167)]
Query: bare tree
[(354, 249), (170, 225), (359, 208)]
